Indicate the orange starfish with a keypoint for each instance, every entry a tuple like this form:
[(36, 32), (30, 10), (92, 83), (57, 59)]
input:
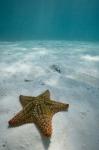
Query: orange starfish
[(38, 110)]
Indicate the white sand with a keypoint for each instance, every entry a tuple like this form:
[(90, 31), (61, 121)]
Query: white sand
[(27, 68)]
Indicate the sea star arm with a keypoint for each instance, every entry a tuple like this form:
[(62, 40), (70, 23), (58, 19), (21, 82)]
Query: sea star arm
[(45, 95), (44, 124), (57, 106), (24, 100), (21, 118)]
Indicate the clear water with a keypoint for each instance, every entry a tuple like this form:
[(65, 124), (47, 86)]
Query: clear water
[(49, 19)]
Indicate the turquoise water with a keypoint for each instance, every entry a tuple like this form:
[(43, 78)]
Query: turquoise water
[(49, 19)]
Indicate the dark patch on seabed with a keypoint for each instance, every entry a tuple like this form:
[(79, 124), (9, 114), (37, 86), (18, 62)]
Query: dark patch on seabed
[(56, 68)]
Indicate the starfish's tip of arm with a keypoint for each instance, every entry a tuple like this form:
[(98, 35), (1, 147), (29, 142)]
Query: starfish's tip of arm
[(20, 96), (66, 107), (47, 91)]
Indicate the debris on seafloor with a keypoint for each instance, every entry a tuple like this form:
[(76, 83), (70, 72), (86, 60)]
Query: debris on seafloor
[(56, 68), (27, 80)]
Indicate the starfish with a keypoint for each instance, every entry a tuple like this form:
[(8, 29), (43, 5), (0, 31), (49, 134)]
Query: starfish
[(38, 110)]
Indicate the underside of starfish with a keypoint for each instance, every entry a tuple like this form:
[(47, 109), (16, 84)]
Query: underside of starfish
[(38, 110)]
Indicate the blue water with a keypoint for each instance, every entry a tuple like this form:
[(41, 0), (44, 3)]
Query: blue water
[(48, 19)]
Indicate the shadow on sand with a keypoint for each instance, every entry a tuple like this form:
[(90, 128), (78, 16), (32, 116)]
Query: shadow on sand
[(45, 140)]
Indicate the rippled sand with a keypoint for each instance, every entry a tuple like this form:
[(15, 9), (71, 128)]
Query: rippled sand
[(70, 70)]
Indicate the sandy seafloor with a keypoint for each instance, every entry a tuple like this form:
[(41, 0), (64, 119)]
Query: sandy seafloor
[(70, 70)]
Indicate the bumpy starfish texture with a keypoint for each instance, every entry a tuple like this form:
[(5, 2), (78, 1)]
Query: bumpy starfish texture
[(38, 110)]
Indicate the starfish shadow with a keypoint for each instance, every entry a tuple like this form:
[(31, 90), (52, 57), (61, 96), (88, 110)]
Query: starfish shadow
[(45, 140)]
